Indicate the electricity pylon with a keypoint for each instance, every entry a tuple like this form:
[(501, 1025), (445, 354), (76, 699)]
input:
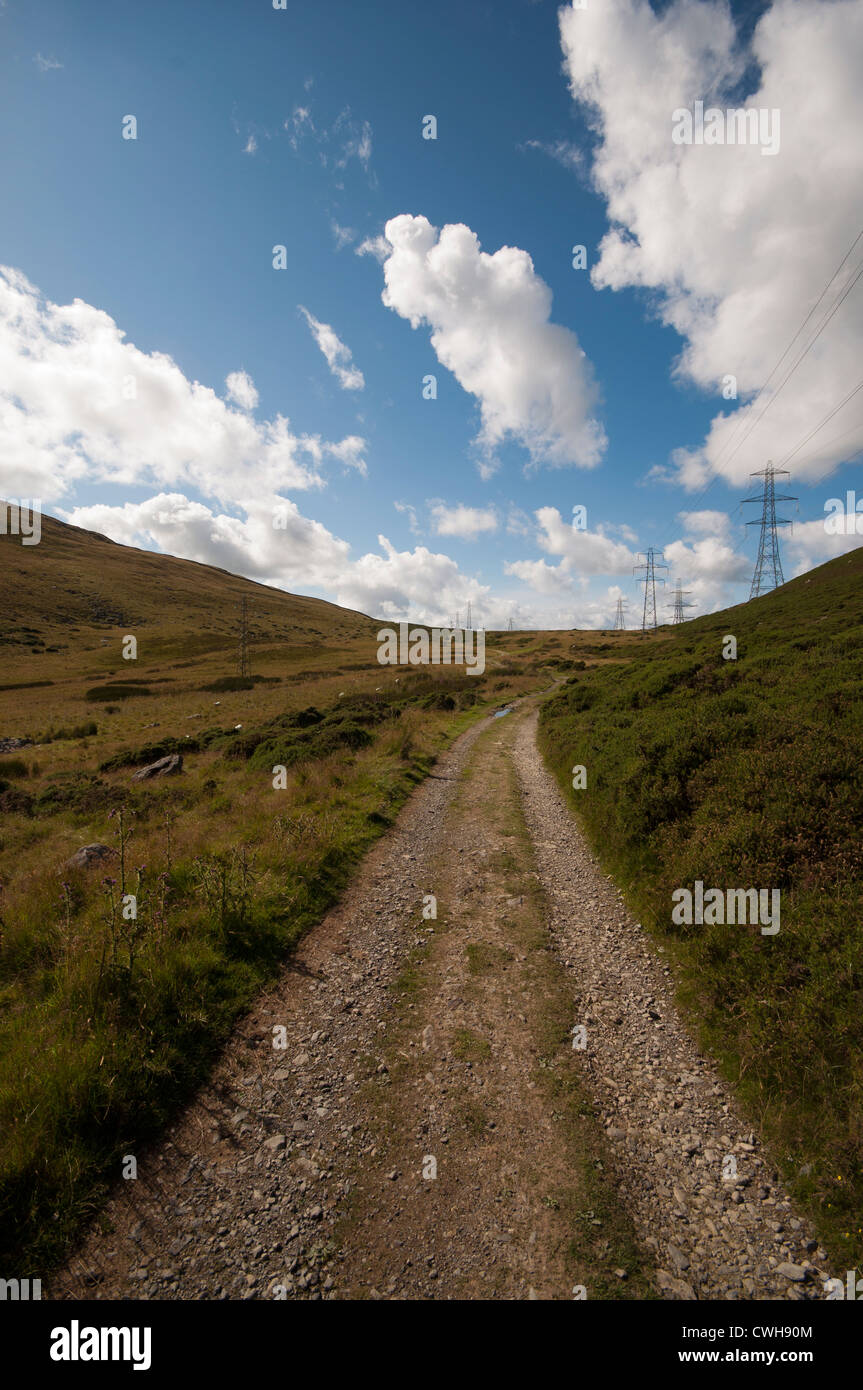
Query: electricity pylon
[(619, 620), (768, 567), (649, 616), (244, 663), (469, 618), (678, 602)]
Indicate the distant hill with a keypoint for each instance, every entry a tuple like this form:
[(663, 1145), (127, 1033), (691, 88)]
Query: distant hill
[(75, 577)]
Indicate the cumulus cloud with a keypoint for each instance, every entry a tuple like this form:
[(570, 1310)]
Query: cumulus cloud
[(275, 544), (810, 544), (735, 246), (581, 555), (297, 551), (706, 523), (465, 522), (398, 583), (583, 552), (540, 576), (489, 316), (242, 390), (78, 403), (338, 354)]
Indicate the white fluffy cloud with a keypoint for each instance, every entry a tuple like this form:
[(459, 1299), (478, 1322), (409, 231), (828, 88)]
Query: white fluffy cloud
[(581, 555), (706, 523), (489, 316), (242, 390), (465, 522), (583, 552), (298, 553), (810, 544), (338, 354), (78, 403), (735, 245), (350, 452)]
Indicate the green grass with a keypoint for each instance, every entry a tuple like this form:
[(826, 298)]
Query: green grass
[(742, 774)]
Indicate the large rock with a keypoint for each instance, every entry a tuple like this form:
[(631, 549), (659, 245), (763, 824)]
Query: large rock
[(163, 767), (90, 856), (11, 745)]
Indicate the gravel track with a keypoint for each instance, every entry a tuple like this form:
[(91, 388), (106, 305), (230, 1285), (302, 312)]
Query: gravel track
[(248, 1194), (672, 1117)]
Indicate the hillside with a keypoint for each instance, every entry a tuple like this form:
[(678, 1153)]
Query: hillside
[(78, 579), (743, 773)]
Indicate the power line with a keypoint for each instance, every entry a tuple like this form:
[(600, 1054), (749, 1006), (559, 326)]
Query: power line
[(746, 423), (825, 421), (751, 424)]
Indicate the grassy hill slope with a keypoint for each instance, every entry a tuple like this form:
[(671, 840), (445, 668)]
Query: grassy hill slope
[(747, 773), (77, 578)]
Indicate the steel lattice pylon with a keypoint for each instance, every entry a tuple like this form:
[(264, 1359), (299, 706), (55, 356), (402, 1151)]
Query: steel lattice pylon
[(649, 616), (768, 567), (619, 620), (679, 602)]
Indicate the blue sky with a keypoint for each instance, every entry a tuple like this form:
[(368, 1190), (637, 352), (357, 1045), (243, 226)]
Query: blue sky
[(302, 128)]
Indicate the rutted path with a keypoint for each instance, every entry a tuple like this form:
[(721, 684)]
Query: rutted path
[(669, 1114), (428, 1131)]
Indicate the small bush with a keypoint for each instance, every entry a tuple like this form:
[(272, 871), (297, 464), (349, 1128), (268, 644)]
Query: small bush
[(116, 692)]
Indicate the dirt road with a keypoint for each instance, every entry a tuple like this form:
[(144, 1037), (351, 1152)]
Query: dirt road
[(471, 1082)]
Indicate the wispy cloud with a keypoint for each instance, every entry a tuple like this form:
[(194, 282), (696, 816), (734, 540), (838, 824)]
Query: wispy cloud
[(337, 145), (567, 154), (411, 513), (338, 354), (343, 235), (376, 246), (46, 64)]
